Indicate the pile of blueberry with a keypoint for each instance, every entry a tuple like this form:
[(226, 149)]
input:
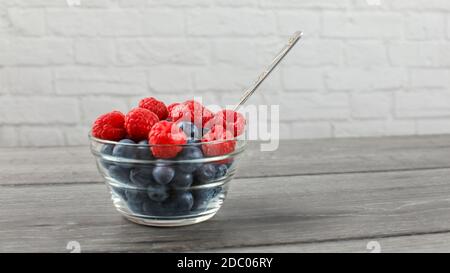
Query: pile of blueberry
[(165, 188)]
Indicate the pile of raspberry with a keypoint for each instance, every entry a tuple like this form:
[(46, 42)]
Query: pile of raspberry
[(168, 127)]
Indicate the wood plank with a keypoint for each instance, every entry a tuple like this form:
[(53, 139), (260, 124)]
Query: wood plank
[(427, 243), (258, 211), (294, 157)]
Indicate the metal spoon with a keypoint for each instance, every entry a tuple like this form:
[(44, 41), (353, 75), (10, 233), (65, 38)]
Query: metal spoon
[(292, 41)]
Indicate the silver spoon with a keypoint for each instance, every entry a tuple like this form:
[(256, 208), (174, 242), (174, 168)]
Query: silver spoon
[(292, 41)]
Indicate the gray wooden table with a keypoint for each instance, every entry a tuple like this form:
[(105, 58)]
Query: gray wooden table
[(308, 196)]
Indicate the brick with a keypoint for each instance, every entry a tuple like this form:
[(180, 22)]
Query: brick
[(115, 23), (295, 78), (308, 130), (226, 22), (57, 3), (241, 52), (312, 106), (92, 80), (77, 22), (371, 105), (133, 3), (170, 79), (240, 3), (373, 128), (94, 51), (27, 21), (77, 135), (365, 79), (222, 78), (359, 128), (363, 53), (33, 51), (92, 107), (439, 126), (419, 54), (25, 80), (371, 4), (291, 21), (400, 127), (448, 26), (40, 136), (306, 4), (420, 26), (430, 78), (362, 25), (316, 53), (177, 3), (162, 51), (38, 110), (420, 5), (422, 104), (8, 136)]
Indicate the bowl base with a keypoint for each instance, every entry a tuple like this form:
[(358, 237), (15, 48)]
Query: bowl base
[(155, 222)]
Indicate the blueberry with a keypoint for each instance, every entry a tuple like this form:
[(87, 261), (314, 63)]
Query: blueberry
[(163, 174), (125, 151), (143, 151), (190, 130), (189, 153), (141, 177), (135, 199), (221, 170), (120, 174), (182, 180), (135, 196), (152, 208), (107, 149), (202, 197), (157, 192), (180, 202), (205, 173)]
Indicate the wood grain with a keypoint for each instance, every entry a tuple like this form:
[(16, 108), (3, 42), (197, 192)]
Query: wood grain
[(271, 211), (69, 165), (427, 243)]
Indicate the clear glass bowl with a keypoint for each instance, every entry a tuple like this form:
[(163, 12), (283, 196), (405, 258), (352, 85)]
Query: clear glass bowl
[(165, 192)]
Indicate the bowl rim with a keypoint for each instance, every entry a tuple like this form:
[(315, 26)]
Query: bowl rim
[(104, 141), (240, 147)]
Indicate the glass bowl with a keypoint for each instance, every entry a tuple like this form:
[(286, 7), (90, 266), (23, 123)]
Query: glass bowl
[(184, 190)]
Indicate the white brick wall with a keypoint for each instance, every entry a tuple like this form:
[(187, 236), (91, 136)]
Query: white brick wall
[(361, 70)]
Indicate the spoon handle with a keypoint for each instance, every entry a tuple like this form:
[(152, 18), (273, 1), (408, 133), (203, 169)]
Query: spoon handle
[(292, 41)]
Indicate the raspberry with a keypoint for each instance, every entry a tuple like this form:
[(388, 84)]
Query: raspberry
[(230, 120), (138, 123), (171, 106), (192, 111), (226, 143), (166, 133), (156, 106), (109, 126)]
